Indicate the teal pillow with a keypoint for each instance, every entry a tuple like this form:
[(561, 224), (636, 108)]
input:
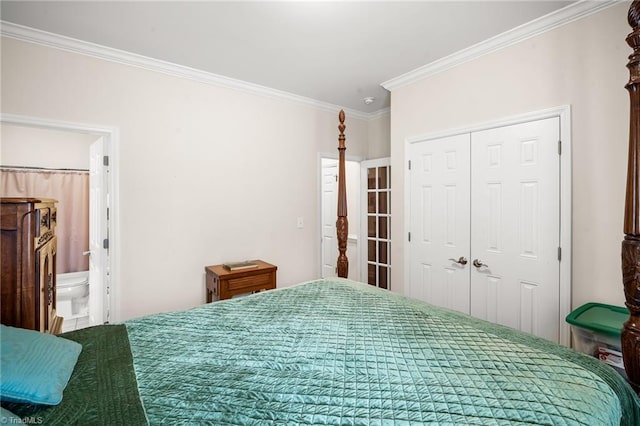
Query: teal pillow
[(35, 367)]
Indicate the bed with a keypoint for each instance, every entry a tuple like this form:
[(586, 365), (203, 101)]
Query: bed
[(330, 352), (338, 352)]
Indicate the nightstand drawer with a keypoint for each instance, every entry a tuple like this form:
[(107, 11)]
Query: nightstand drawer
[(250, 281)]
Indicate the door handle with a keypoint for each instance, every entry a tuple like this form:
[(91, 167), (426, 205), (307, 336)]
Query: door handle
[(86, 253), (478, 263), (462, 261)]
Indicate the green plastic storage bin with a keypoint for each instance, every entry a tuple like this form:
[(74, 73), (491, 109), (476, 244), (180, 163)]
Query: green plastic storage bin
[(596, 330)]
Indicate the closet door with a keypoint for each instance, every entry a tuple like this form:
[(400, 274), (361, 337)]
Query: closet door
[(515, 226), (439, 222)]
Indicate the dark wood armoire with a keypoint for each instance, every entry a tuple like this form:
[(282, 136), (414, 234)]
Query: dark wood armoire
[(28, 280)]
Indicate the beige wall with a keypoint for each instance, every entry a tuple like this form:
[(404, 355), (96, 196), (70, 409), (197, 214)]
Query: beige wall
[(379, 130), (581, 64), (207, 174), (34, 147)]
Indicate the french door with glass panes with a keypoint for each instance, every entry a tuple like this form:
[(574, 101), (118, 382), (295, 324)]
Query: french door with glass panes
[(376, 223)]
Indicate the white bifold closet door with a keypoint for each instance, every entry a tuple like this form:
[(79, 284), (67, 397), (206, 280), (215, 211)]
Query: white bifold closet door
[(485, 225)]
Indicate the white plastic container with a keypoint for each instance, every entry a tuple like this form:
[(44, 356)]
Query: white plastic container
[(596, 330)]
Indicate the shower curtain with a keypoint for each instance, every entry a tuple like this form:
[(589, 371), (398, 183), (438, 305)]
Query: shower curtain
[(71, 189)]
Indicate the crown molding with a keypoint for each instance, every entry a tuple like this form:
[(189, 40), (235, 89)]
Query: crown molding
[(570, 13), (379, 113), (57, 41)]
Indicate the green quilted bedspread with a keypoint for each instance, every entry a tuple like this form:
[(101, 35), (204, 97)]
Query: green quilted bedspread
[(334, 352), (102, 389)]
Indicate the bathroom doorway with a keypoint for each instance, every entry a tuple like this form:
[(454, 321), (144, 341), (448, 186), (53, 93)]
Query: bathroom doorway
[(85, 295)]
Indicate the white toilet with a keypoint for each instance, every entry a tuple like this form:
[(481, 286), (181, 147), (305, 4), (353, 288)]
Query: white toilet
[(72, 298)]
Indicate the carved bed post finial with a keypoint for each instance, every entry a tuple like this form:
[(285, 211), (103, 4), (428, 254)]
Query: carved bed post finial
[(342, 224), (631, 242)]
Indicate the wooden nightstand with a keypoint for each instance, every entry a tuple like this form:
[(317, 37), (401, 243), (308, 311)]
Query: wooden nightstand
[(223, 283)]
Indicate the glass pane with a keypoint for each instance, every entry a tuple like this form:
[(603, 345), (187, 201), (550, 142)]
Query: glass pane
[(382, 178), (372, 274), (371, 250), (371, 178), (371, 226), (382, 202), (382, 228), (389, 254), (382, 277), (372, 202), (382, 252), (389, 226)]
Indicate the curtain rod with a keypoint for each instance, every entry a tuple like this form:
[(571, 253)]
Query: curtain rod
[(44, 168)]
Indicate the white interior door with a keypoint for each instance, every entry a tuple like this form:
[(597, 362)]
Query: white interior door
[(493, 198), (515, 226), (439, 222), (329, 202), (98, 232)]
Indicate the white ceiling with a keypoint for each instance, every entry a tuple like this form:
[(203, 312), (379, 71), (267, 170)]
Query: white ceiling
[(334, 52)]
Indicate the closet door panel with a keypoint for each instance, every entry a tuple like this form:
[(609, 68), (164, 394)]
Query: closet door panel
[(515, 226), (439, 217)]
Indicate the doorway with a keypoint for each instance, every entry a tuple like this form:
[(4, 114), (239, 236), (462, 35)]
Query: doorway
[(98, 147), (328, 215)]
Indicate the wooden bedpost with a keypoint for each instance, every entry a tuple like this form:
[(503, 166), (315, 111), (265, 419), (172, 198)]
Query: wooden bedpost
[(342, 224), (631, 242)]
